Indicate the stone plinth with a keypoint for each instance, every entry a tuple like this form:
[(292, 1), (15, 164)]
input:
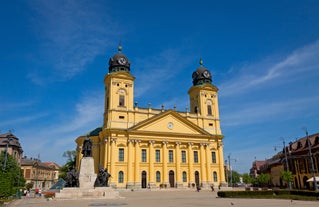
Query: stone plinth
[(87, 175), (86, 189), (99, 192)]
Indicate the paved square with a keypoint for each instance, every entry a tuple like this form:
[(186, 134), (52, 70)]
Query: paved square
[(167, 198)]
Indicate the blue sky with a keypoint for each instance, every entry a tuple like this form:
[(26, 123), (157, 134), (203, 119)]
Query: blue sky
[(264, 57)]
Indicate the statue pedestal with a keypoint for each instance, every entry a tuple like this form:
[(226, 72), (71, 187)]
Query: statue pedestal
[(87, 175), (86, 189)]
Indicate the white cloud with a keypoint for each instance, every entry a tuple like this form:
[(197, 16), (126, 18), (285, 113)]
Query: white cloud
[(155, 71), (303, 61), (71, 33), (258, 112)]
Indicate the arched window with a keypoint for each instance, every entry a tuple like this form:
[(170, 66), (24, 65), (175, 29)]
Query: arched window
[(121, 100), (158, 176), (121, 177), (184, 177), (215, 176), (209, 110)]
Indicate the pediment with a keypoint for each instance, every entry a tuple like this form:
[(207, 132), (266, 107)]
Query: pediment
[(168, 122)]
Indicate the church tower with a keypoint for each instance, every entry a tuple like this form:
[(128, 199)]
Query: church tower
[(203, 98), (119, 91)]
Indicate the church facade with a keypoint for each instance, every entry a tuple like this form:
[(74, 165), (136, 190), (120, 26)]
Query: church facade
[(154, 148)]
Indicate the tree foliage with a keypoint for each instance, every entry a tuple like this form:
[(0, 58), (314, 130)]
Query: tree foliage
[(71, 161), (11, 176), (286, 176), (247, 178), (263, 179), (233, 176)]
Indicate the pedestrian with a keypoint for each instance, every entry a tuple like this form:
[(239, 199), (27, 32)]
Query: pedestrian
[(212, 187), (198, 188)]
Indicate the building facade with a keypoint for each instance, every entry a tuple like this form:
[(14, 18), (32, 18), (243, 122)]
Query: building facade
[(41, 174), (10, 143), (147, 147), (296, 158)]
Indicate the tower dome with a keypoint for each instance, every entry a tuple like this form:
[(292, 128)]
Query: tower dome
[(201, 75), (119, 62)]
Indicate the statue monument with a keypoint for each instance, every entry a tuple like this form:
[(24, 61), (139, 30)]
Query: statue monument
[(102, 178), (87, 147), (86, 183)]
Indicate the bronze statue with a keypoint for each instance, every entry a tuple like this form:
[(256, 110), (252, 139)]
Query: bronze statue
[(102, 178), (87, 147), (72, 178)]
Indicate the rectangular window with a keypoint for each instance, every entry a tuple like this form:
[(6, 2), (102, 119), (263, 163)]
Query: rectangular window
[(170, 156), (122, 101), (27, 173), (195, 156), (158, 156), (143, 155), (209, 110), (183, 156), (121, 155), (213, 157)]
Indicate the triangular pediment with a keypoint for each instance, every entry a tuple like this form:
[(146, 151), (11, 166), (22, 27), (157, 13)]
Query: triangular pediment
[(169, 122)]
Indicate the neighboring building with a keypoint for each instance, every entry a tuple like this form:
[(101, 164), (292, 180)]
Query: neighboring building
[(42, 174), (299, 163), (147, 147), (255, 169), (10, 143)]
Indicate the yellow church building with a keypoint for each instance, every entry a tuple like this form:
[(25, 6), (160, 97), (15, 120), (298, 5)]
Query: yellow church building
[(155, 148)]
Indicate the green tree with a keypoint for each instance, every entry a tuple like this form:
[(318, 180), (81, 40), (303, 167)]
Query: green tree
[(263, 179), (234, 176), (247, 178), (286, 176), (11, 177), (71, 161)]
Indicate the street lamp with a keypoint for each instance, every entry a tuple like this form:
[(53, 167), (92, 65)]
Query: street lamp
[(231, 173), (286, 159), (311, 160)]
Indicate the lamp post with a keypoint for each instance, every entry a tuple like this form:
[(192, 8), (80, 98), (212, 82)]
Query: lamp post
[(286, 160), (231, 173), (311, 160), (287, 166)]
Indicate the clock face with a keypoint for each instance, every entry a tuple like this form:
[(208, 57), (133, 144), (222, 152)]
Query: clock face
[(170, 125), (206, 74), (122, 61)]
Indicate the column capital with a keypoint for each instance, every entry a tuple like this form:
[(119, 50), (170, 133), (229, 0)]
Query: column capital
[(190, 143), (151, 142), (178, 143), (204, 144), (130, 140), (113, 139), (165, 143)]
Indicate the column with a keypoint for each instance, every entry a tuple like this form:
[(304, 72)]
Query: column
[(165, 156), (137, 179), (208, 165), (202, 165), (113, 160), (221, 164), (191, 172), (105, 144), (130, 169), (151, 164), (179, 179)]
